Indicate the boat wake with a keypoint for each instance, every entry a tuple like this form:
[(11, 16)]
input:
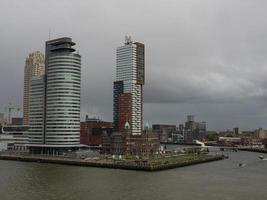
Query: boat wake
[(262, 158)]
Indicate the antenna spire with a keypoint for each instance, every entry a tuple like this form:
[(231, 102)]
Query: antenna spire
[(128, 39), (49, 34)]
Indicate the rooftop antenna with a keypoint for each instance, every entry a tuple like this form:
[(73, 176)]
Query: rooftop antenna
[(128, 39), (49, 34)]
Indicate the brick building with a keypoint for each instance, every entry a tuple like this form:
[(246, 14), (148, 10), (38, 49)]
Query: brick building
[(92, 131), (127, 144)]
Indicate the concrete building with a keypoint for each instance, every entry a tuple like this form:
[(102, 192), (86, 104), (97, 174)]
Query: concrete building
[(34, 67), (229, 141), (194, 130), (260, 134), (17, 121), (237, 131), (164, 131), (14, 137), (128, 87), (55, 121)]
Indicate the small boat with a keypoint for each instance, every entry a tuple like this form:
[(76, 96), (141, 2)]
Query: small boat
[(242, 164), (261, 157)]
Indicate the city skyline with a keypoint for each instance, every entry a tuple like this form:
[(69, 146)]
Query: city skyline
[(200, 62)]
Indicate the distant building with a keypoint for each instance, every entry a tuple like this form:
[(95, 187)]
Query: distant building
[(17, 121), (93, 130), (194, 130), (34, 67), (128, 87), (229, 141), (178, 135), (265, 143), (164, 131), (14, 137), (237, 131), (247, 138), (227, 133), (260, 134), (2, 119), (190, 118)]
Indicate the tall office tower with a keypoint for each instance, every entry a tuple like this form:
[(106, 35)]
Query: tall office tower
[(63, 85), (128, 87), (34, 67), (60, 91)]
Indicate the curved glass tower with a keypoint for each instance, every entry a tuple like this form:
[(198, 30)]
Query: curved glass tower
[(36, 114), (63, 83), (55, 100)]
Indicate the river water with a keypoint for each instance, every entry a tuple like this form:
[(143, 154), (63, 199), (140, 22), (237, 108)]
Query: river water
[(223, 180)]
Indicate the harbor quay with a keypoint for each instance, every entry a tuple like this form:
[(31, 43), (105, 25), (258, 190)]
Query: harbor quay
[(252, 149), (127, 163)]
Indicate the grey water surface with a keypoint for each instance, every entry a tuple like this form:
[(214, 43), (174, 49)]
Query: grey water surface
[(224, 180)]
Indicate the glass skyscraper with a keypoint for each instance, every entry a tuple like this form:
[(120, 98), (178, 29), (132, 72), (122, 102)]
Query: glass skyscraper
[(61, 96), (63, 82), (36, 110)]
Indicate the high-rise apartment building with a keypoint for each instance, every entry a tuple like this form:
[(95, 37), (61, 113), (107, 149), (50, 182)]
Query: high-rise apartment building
[(58, 93), (34, 67), (128, 87)]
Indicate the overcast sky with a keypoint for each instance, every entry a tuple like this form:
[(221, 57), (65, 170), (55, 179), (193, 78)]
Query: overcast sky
[(203, 57)]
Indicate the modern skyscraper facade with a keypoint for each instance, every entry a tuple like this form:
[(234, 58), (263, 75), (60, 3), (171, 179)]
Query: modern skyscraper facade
[(36, 115), (128, 87), (63, 85), (34, 67), (61, 97)]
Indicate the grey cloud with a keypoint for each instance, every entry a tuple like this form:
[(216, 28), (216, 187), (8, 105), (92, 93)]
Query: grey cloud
[(202, 57)]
